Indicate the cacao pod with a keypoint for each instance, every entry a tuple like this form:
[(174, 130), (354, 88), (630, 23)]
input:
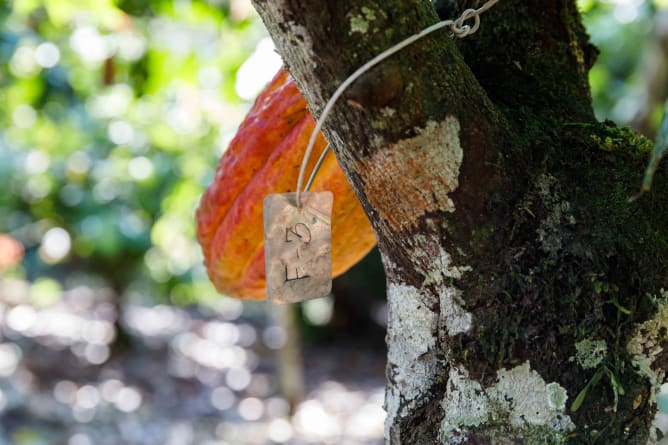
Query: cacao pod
[(264, 157)]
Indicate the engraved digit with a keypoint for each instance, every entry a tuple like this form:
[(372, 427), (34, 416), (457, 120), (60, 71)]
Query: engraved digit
[(307, 234), (301, 231)]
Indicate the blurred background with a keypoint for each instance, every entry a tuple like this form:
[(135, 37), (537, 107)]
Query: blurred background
[(113, 114)]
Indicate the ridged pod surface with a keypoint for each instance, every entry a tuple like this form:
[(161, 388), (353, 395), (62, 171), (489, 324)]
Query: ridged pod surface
[(264, 158)]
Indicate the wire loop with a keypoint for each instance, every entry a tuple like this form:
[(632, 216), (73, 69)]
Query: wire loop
[(460, 29)]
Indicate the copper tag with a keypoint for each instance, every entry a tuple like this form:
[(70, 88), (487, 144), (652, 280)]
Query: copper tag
[(298, 246)]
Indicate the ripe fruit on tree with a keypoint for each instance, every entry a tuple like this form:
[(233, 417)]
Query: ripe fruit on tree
[(264, 158)]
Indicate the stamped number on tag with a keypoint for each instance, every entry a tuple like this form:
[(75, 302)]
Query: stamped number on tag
[(298, 246)]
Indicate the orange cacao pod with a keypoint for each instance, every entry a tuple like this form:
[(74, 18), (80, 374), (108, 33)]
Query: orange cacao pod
[(264, 158)]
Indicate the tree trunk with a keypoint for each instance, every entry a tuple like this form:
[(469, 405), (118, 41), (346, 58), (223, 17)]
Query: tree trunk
[(522, 284)]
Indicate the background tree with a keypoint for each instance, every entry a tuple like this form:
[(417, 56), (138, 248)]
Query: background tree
[(524, 290)]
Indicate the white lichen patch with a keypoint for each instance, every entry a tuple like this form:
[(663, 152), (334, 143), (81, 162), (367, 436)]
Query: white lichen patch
[(550, 230), (436, 260), (556, 396), (410, 338), (455, 319), (465, 403), (429, 162), (521, 396), (648, 343), (413, 326), (527, 398), (589, 352), (411, 332), (434, 263)]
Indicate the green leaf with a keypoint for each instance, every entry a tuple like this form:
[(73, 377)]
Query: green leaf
[(619, 307), (660, 147), (580, 398), (577, 403), (615, 383)]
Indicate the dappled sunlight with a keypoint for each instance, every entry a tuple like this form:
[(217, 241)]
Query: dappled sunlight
[(210, 372)]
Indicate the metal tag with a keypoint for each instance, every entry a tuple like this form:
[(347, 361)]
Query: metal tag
[(298, 246)]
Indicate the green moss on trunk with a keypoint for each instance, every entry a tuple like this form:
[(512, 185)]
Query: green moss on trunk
[(568, 258)]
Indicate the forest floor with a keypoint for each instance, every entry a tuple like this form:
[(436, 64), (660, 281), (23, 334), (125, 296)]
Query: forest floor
[(176, 376)]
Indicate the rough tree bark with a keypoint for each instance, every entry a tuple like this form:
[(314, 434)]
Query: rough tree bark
[(519, 276)]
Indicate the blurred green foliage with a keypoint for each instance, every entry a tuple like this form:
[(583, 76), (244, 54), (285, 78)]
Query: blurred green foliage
[(113, 116), (623, 30)]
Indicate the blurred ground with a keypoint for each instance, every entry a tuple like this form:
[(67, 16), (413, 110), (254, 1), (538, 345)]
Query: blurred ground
[(183, 376), (180, 376)]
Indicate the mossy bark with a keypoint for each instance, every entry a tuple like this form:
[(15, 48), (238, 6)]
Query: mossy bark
[(521, 248)]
